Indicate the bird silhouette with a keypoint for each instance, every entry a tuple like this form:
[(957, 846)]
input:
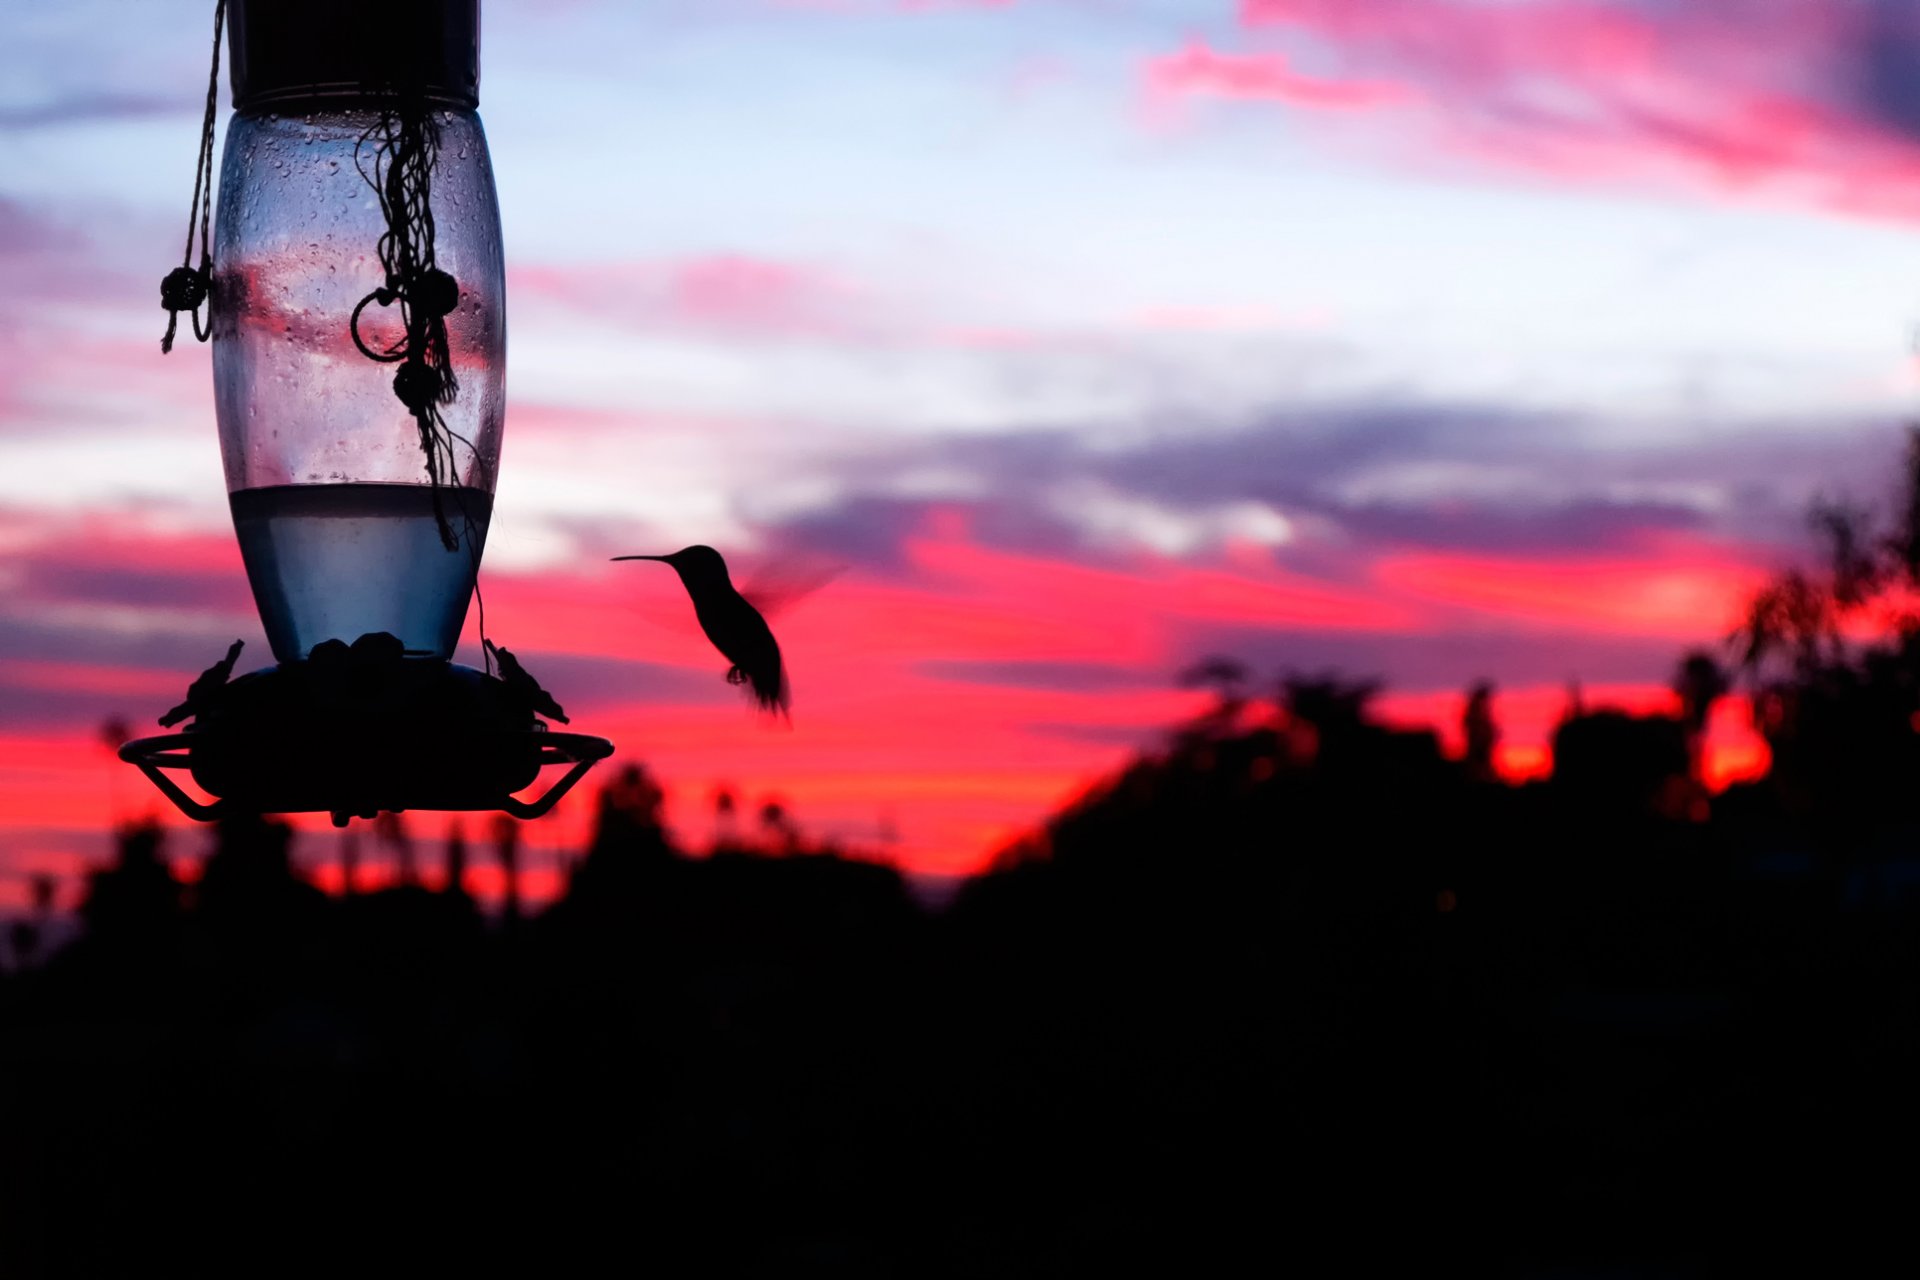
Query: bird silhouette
[(733, 625), (523, 685), (200, 693)]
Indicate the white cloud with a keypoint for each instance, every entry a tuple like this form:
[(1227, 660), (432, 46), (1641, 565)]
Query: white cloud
[(1107, 516)]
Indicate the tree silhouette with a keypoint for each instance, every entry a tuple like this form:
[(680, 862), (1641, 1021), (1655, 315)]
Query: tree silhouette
[(506, 851), (1332, 710), (726, 818), (391, 831), (455, 860), (1227, 678), (1864, 580), (1480, 731), (1699, 682), (136, 898)]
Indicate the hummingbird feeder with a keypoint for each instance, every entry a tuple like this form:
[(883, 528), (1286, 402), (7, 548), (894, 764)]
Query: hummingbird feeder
[(355, 294)]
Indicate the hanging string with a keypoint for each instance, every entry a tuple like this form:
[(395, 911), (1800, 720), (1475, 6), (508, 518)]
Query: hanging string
[(396, 157), (472, 539), (187, 286), (473, 553), (404, 145)]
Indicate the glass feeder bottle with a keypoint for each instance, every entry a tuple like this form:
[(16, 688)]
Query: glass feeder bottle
[(339, 524)]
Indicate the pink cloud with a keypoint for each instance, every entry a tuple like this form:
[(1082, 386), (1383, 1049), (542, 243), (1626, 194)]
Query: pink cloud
[(1729, 96), (730, 292), (1199, 70), (733, 289), (1473, 43)]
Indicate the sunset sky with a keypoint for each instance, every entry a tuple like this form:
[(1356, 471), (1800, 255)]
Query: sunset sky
[(1428, 339)]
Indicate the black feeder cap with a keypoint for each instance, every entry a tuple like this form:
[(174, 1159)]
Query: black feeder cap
[(286, 56)]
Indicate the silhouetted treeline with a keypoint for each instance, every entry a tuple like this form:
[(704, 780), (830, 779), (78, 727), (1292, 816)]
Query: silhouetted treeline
[(1296, 984), (1297, 992)]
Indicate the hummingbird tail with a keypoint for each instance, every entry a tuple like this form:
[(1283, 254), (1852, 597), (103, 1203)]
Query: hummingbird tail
[(770, 692)]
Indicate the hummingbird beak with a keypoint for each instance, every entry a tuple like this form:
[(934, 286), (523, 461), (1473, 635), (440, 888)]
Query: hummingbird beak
[(665, 559)]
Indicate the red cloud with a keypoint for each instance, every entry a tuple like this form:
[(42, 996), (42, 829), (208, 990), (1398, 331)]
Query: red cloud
[(962, 700), (1689, 592)]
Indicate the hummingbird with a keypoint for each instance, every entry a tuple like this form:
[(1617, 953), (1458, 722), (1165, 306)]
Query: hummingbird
[(202, 692), (733, 625), (517, 678)]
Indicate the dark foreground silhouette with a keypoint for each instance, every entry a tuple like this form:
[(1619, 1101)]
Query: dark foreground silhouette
[(1295, 994), (1304, 993)]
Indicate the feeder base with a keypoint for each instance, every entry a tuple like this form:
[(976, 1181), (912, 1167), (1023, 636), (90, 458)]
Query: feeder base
[(353, 738)]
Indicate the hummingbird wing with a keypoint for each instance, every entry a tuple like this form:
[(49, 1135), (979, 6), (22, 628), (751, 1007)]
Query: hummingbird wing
[(775, 583)]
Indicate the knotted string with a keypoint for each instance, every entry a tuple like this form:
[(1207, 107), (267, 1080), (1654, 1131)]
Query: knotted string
[(396, 157), (405, 145), (187, 286)]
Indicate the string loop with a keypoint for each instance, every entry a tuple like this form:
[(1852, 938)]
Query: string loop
[(187, 286), (396, 156)]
